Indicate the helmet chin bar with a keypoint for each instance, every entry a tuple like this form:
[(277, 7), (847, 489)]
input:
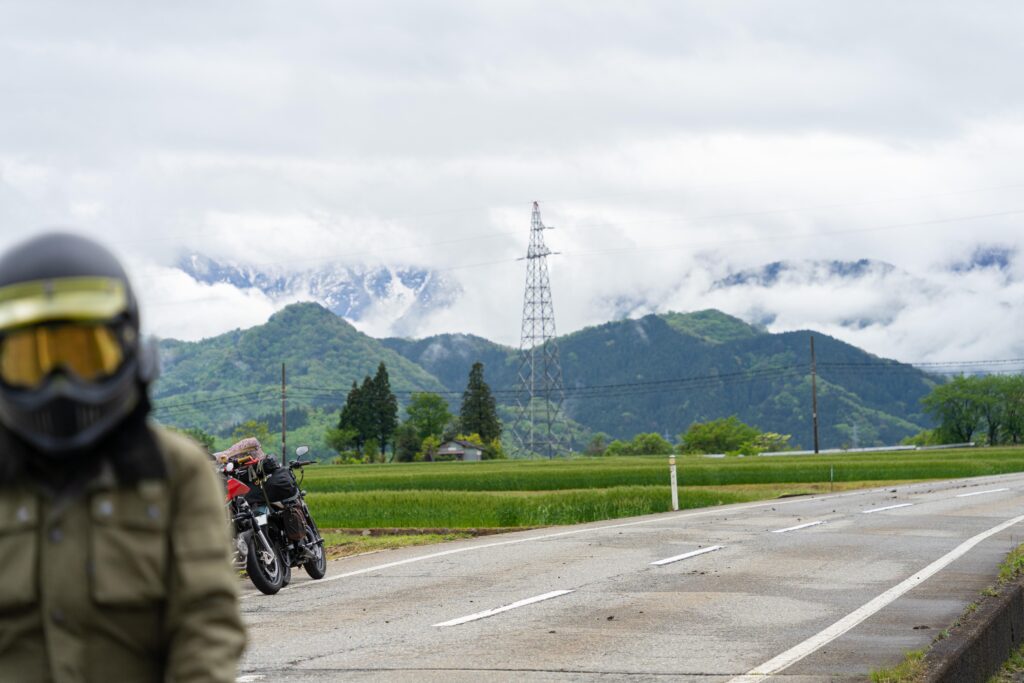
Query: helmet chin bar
[(64, 416)]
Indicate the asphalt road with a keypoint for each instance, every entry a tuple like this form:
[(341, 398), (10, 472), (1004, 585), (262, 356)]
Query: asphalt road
[(823, 588)]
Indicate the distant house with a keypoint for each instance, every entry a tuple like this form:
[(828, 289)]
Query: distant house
[(459, 450)]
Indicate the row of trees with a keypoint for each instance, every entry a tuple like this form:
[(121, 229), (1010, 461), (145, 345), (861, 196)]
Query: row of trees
[(966, 408), (726, 435), (370, 416), (369, 422)]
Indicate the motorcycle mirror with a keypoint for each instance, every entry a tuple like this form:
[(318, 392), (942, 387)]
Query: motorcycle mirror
[(301, 451), (230, 467)]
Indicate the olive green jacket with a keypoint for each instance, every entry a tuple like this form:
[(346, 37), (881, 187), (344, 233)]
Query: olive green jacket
[(120, 582)]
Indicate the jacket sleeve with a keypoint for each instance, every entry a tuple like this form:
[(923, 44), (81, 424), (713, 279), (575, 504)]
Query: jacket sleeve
[(204, 629)]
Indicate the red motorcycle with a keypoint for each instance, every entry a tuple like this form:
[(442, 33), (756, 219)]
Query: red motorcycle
[(255, 549)]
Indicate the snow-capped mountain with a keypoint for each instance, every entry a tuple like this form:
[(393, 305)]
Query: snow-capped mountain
[(807, 272), (402, 296)]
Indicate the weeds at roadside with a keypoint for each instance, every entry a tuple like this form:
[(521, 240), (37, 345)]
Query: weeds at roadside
[(1013, 565), (909, 670)]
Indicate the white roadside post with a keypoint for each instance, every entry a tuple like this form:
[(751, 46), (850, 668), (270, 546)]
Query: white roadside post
[(672, 476)]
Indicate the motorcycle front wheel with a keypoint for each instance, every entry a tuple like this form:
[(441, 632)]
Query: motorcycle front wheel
[(317, 567), (265, 568)]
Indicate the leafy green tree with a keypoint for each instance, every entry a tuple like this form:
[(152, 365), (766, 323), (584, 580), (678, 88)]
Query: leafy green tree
[(407, 442), (619, 447), (252, 429), (598, 444), (341, 440), (770, 442), (723, 435), (650, 444), (492, 450), (956, 406), (1012, 391), (925, 437), (372, 451), (991, 404), (428, 448), (479, 413), (428, 414)]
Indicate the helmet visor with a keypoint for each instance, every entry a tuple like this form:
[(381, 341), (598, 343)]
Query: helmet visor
[(89, 351), (70, 298)]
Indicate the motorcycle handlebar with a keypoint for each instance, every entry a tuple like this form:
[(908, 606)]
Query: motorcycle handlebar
[(300, 463)]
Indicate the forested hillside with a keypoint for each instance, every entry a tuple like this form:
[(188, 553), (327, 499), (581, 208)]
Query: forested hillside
[(667, 371), (659, 373), (216, 383)]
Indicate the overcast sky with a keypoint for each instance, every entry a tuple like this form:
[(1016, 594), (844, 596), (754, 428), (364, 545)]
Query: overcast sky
[(670, 143)]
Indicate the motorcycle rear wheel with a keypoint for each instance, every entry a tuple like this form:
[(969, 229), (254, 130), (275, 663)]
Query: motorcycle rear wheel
[(266, 575)]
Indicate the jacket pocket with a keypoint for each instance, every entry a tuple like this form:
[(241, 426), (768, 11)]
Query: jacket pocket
[(129, 547), (19, 536)]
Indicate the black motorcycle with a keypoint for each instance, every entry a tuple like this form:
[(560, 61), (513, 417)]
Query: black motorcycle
[(292, 526)]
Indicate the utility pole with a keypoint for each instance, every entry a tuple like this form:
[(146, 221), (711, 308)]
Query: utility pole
[(539, 392), (814, 393), (284, 418)]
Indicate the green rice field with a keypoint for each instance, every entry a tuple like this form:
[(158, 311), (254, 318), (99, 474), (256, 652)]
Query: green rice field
[(525, 493)]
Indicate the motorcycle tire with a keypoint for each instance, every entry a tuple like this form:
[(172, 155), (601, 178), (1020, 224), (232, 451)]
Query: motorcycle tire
[(268, 577), (287, 574), (317, 567)]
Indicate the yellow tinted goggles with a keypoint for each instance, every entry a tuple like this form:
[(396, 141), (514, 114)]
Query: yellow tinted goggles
[(28, 355)]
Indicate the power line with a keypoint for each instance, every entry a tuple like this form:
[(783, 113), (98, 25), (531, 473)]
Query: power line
[(589, 392)]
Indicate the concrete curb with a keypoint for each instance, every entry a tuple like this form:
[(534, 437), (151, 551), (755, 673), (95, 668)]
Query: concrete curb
[(977, 648)]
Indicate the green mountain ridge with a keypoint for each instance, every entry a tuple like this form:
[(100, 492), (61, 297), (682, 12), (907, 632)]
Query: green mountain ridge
[(656, 373), (221, 381)]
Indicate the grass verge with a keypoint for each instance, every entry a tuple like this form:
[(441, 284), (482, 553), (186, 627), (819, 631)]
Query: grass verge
[(908, 671), (345, 544)]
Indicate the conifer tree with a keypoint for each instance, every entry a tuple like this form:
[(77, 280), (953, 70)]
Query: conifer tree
[(355, 415), (479, 414), (383, 408)]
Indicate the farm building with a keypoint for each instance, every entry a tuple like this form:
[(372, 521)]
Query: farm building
[(459, 450)]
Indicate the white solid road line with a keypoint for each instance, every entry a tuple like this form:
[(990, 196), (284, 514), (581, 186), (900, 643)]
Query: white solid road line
[(796, 528), (695, 553), (979, 493), (506, 608), (887, 507), (798, 652)]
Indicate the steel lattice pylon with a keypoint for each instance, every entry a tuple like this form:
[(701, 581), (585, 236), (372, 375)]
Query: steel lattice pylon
[(540, 392)]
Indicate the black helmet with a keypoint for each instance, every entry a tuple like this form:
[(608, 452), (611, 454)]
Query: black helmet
[(72, 366)]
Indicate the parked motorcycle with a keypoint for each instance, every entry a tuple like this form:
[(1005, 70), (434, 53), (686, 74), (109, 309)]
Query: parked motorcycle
[(255, 551), (300, 542)]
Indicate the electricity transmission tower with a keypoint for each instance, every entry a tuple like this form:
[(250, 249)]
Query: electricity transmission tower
[(540, 393)]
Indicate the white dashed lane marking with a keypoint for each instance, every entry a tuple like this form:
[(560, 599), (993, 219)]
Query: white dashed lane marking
[(685, 556), (797, 527), (506, 608), (887, 507), (980, 493)]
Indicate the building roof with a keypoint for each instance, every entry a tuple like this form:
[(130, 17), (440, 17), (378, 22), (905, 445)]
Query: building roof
[(464, 444)]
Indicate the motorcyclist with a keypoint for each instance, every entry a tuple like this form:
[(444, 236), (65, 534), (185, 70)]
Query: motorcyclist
[(112, 530)]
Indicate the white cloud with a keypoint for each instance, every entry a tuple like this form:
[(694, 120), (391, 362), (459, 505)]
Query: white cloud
[(670, 143)]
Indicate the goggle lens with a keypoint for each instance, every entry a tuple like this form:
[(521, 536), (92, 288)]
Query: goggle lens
[(29, 355)]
